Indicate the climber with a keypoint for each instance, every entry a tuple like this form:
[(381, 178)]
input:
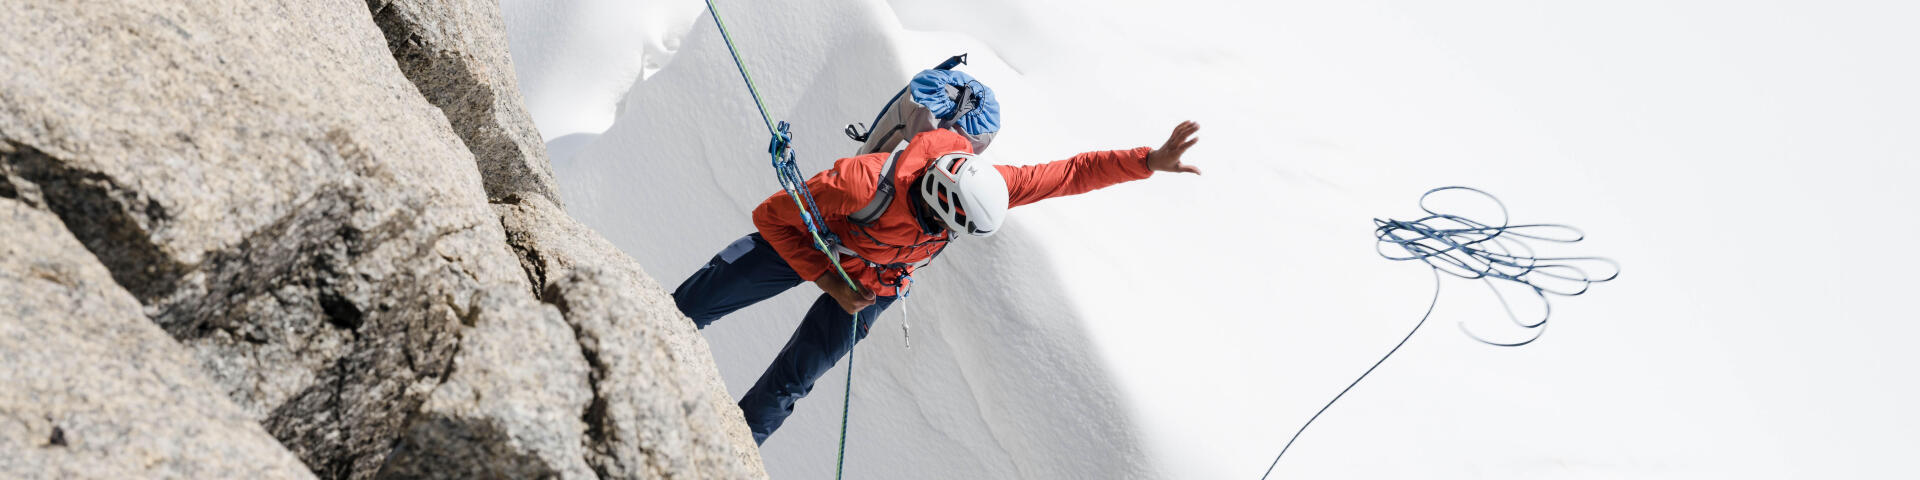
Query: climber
[(948, 191)]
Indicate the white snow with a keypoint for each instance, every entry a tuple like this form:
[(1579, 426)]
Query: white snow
[(1750, 164), (576, 60)]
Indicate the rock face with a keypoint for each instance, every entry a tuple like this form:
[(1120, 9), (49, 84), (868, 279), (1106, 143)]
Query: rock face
[(648, 420), (458, 48), (94, 389), (456, 52), (511, 407), (290, 191), (291, 210), (659, 390)]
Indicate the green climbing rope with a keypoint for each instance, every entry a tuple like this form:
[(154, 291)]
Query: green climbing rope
[(796, 188)]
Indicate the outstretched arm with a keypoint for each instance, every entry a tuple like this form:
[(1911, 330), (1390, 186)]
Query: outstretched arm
[(1095, 170)]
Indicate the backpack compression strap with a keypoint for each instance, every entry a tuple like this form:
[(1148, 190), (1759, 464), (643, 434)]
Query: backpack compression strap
[(882, 195)]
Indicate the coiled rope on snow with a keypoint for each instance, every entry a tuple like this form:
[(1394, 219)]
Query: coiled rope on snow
[(1487, 251)]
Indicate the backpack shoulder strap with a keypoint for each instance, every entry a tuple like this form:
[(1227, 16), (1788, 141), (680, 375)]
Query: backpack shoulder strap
[(882, 194)]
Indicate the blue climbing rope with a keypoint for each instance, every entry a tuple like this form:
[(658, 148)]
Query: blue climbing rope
[(1473, 250), (795, 184)]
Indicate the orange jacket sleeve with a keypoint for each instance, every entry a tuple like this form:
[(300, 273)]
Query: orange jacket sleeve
[(778, 220), (1083, 173)]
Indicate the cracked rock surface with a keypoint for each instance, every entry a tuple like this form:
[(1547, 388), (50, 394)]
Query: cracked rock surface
[(512, 405), (552, 246), (456, 52), (95, 390), (645, 421), (294, 196), (287, 208)]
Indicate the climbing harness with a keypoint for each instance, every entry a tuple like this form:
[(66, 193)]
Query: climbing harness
[(781, 149), (1473, 250), (864, 218)]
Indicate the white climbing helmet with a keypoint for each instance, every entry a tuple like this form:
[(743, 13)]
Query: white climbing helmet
[(965, 192)]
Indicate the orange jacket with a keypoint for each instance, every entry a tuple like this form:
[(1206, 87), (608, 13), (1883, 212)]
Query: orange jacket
[(844, 189)]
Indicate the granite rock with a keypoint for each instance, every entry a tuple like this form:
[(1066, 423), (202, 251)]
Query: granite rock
[(455, 51), (512, 406), (326, 223), (551, 245), (649, 417), (94, 389), (271, 188)]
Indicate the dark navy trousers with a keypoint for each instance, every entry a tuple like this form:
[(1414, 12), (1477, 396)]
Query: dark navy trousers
[(746, 272)]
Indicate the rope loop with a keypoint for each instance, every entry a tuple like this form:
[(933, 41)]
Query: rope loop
[(1498, 250), (1475, 250)]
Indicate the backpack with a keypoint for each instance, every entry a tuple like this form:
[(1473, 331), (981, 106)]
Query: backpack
[(940, 97)]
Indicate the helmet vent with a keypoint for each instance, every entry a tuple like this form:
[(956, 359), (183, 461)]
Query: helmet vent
[(942, 195)]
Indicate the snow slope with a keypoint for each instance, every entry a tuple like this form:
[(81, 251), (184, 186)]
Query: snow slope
[(1735, 156)]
